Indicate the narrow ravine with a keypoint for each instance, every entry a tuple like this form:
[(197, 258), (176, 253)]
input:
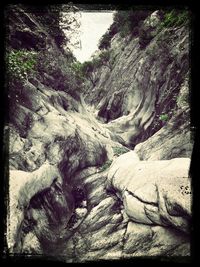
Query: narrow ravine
[(99, 170)]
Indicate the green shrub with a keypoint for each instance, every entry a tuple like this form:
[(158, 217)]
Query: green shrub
[(20, 63), (129, 22), (58, 74), (105, 41), (125, 22), (174, 18), (77, 68), (164, 117), (121, 19), (87, 69), (105, 59), (120, 150), (106, 165), (104, 56)]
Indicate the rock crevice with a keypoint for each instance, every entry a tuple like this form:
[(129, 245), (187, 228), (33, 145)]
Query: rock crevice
[(76, 192)]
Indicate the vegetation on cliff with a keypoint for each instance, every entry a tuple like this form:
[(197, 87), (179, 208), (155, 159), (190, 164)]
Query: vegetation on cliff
[(130, 23), (88, 69), (34, 39)]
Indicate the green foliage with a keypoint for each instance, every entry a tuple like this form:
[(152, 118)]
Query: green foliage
[(128, 22), (164, 117), (174, 18), (20, 63), (55, 71), (105, 58), (106, 165), (90, 66), (125, 22), (78, 69), (49, 17), (87, 69), (104, 42), (52, 20), (120, 150), (121, 19)]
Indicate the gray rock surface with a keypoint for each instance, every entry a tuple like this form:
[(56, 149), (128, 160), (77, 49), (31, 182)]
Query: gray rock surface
[(164, 144), (72, 194), (147, 86), (153, 192)]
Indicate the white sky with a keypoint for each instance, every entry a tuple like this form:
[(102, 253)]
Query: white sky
[(93, 26)]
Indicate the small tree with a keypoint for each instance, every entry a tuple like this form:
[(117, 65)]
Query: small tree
[(104, 59), (77, 67), (105, 41), (20, 63), (89, 68)]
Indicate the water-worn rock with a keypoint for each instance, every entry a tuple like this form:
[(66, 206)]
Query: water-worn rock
[(154, 192), (68, 147), (154, 241), (164, 144), (23, 187), (72, 195), (147, 85)]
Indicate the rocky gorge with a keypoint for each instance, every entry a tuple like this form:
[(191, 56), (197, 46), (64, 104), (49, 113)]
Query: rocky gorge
[(100, 170)]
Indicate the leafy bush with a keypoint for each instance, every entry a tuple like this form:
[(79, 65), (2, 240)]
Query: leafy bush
[(121, 19), (164, 117), (106, 165), (49, 17), (120, 150), (77, 68), (128, 22), (105, 59), (21, 63), (104, 56), (174, 18), (87, 69), (104, 42), (125, 22), (57, 74)]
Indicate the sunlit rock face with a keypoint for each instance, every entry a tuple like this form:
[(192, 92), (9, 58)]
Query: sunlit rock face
[(154, 192), (72, 194), (164, 144), (148, 83)]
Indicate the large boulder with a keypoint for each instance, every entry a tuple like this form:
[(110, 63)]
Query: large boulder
[(23, 186), (154, 192)]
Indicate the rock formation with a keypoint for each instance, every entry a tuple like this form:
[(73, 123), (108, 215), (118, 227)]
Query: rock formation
[(72, 194)]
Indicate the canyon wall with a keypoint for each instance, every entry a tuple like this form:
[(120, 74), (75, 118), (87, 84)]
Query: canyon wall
[(77, 190)]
